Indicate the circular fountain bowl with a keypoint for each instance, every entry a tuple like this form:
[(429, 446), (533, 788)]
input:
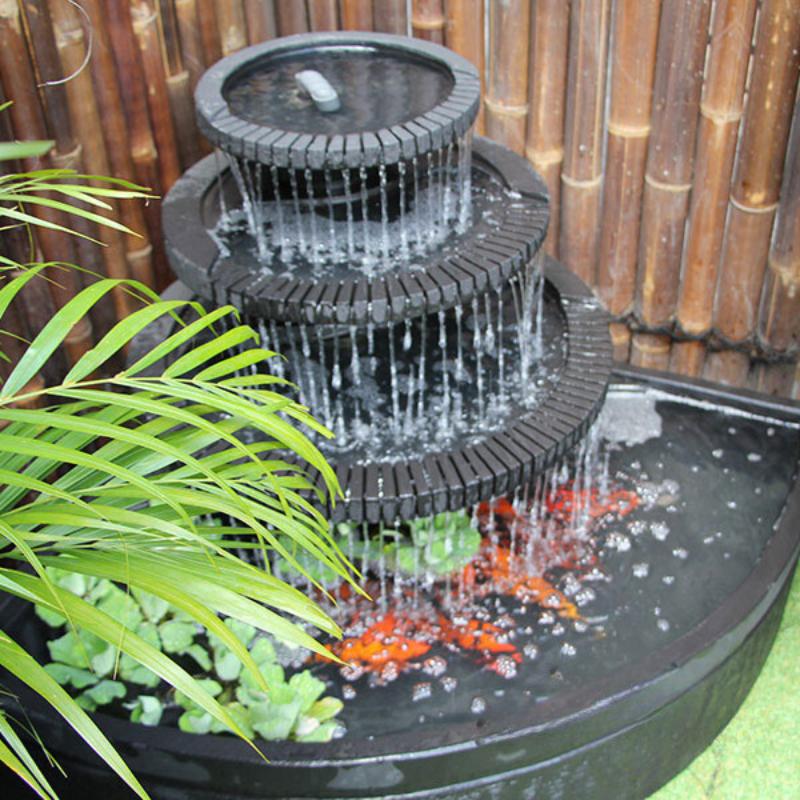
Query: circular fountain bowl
[(510, 216), (616, 718), (398, 98)]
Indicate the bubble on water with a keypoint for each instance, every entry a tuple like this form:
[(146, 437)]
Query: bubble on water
[(663, 625), (547, 618), (478, 705), (568, 649), (585, 596), (657, 611), (570, 585), (435, 666), (732, 431), (348, 691), (390, 672), (680, 552), (580, 626), (731, 504), (641, 570), (708, 540), (770, 431), (618, 541), (421, 691), (449, 683), (660, 530), (351, 672), (758, 490), (668, 580), (505, 667), (637, 527), (754, 457), (718, 453), (531, 651), (552, 600), (558, 630)]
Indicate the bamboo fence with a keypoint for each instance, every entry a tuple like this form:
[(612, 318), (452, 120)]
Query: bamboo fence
[(667, 131)]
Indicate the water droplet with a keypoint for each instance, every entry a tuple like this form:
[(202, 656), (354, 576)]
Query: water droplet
[(478, 705), (420, 691), (680, 552), (435, 666), (505, 667), (568, 649), (531, 651), (641, 570), (449, 683)]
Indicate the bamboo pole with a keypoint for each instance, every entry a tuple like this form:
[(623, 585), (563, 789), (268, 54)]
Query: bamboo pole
[(650, 350), (682, 40), (88, 128), (427, 20), (144, 18), (633, 67), (191, 39), (291, 17), (356, 15), (544, 141), (133, 91), (727, 366), (757, 175), (389, 16), (179, 90), (323, 15), (139, 251), (581, 175), (688, 358), (506, 103), (231, 25), (260, 16), (779, 323), (620, 341), (209, 31), (720, 112), (464, 33)]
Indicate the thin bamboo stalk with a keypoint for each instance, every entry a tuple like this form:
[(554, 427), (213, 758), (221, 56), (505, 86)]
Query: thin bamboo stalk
[(581, 175), (682, 40), (291, 17), (209, 31), (757, 175), (632, 71), (720, 113), (390, 16), (779, 323), (144, 18), (506, 100), (620, 341), (178, 81), (650, 350), (323, 15), (464, 33), (688, 358), (231, 25), (356, 15), (727, 366), (260, 15), (133, 91), (427, 20), (544, 143)]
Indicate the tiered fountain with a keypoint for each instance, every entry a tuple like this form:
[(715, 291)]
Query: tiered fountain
[(564, 605)]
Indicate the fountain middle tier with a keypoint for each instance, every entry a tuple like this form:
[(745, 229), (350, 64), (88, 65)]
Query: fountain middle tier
[(352, 246)]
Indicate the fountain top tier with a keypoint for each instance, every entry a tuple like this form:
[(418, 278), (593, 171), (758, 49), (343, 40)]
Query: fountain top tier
[(335, 100)]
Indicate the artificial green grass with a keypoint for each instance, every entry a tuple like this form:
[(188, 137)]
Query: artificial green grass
[(758, 754)]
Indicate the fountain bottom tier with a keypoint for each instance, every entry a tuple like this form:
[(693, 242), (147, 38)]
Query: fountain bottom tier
[(600, 632)]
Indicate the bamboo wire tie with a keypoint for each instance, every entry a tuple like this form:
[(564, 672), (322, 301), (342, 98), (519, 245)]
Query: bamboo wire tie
[(675, 188), (582, 183), (624, 131), (768, 209), (428, 24), (554, 155)]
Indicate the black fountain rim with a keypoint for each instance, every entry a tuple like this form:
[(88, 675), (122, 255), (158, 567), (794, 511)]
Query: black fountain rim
[(298, 149), (610, 709), (448, 280)]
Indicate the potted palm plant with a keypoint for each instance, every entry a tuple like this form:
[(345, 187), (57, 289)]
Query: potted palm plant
[(111, 476)]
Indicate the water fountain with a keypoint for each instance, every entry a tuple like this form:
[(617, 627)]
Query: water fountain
[(577, 575)]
